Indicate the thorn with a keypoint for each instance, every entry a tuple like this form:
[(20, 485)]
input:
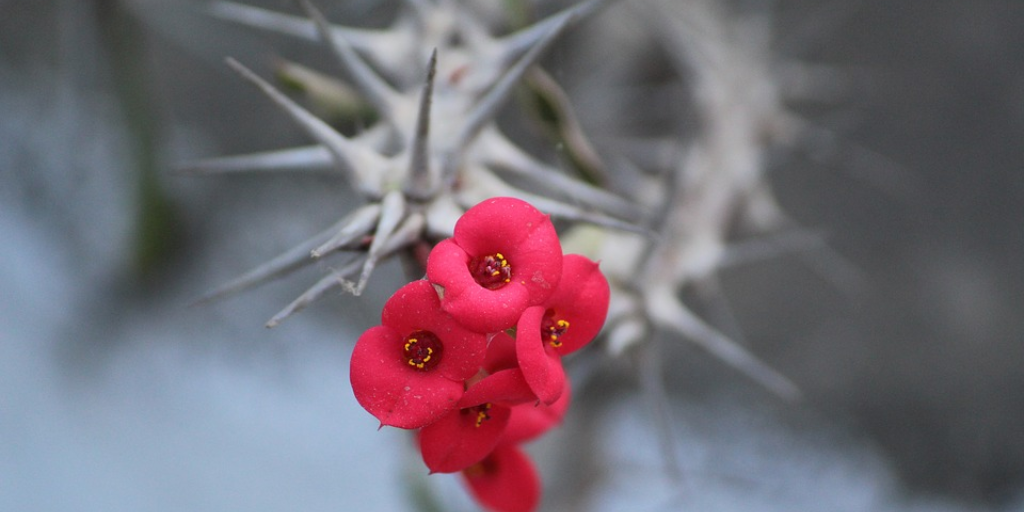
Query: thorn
[(392, 213), (262, 19), (377, 91), (356, 225), (335, 278), (421, 184), (669, 313), (487, 106), (522, 40), (502, 155), (355, 161), (294, 26), (287, 262), (311, 159)]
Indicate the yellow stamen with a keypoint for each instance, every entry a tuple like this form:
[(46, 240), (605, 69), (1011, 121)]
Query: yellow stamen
[(556, 331), (482, 415), (422, 350)]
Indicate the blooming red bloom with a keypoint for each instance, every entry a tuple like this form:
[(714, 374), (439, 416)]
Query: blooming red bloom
[(410, 371), (442, 362), (505, 481), (465, 436), (504, 257), (564, 323)]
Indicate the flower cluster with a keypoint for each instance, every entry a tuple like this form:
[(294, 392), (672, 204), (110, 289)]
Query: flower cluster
[(471, 355)]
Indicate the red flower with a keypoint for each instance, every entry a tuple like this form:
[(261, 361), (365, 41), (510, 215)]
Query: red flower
[(504, 257), (505, 481), (564, 323), (465, 436), (410, 371)]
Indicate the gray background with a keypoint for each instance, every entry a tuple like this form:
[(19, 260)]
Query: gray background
[(116, 395)]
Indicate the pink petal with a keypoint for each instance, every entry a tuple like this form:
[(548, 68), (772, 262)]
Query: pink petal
[(395, 393), (540, 364), (582, 299), (462, 438), (505, 481), (501, 353), (498, 221), (507, 387)]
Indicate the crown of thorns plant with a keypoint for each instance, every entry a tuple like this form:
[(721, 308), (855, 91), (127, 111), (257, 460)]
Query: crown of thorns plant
[(436, 80)]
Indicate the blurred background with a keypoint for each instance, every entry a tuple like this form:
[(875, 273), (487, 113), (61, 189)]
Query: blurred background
[(116, 394)]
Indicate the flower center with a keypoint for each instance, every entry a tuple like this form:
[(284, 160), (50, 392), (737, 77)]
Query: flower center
[(551, 329), (422, 350), (481, 414), (491, 271)]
